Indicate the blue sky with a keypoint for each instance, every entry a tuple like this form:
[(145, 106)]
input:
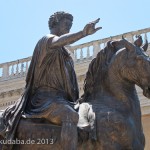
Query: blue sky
[(24, 22)]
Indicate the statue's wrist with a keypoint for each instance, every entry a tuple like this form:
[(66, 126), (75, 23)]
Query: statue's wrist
[(84, 33)]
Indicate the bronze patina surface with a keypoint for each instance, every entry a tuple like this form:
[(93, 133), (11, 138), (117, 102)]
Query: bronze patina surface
[(51, 87), (109, 115)]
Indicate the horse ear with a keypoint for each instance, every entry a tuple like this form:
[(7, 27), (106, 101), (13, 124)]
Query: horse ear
[(116, 44), (145, 46), (129, 46), (113, 43)]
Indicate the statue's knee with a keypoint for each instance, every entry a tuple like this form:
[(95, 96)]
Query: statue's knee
[(72, 117), (75, 117)]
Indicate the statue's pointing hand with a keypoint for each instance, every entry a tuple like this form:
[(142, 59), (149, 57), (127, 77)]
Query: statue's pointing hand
[(90, 28)]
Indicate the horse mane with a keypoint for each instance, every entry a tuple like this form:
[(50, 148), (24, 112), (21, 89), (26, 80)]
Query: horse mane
[(98, 69)]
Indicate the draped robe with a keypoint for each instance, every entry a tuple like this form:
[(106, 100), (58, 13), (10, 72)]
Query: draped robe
[(51, 71)]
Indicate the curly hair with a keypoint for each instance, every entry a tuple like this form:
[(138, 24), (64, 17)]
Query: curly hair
[(56, 17)]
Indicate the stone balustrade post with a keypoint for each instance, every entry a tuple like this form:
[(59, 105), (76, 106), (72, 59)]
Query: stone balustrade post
[(96, 49), (5, 72)]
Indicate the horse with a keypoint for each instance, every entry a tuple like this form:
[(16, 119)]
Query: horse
[(110, 115), (111, 97)]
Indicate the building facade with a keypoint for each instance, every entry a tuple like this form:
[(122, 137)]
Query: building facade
[(13, 74)]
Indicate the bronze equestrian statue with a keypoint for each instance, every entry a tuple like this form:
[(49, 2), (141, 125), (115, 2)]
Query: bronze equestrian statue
[(51, 86), (109, 113), (112, 105)]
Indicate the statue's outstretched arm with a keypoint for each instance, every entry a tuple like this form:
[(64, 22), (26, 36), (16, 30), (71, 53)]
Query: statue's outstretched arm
[(73, 37)]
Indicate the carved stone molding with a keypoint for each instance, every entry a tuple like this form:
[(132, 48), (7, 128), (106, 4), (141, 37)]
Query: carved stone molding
[(11, 93)]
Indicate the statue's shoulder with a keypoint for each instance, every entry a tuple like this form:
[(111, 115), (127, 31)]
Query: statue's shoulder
[(48, 36), (45, 39)]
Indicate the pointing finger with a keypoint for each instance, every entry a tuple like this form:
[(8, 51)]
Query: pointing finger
[(98, 28), (96, 21)]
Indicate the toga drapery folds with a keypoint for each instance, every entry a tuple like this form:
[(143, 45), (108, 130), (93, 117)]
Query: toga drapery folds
[(52, 70)]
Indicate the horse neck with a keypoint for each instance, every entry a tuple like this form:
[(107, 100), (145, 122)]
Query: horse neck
[(119, 87), (124, 91)]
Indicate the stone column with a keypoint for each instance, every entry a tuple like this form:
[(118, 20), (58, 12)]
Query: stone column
[(5, 72), (96, 49)]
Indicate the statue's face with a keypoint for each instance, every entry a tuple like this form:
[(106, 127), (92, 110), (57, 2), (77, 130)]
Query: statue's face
[(64, 26)]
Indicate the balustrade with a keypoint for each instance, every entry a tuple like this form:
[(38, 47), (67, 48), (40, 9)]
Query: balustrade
[(14, 69), (80, 53)]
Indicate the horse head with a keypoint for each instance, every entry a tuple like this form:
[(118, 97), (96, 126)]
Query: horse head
[(120, 62), (132, 65)]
